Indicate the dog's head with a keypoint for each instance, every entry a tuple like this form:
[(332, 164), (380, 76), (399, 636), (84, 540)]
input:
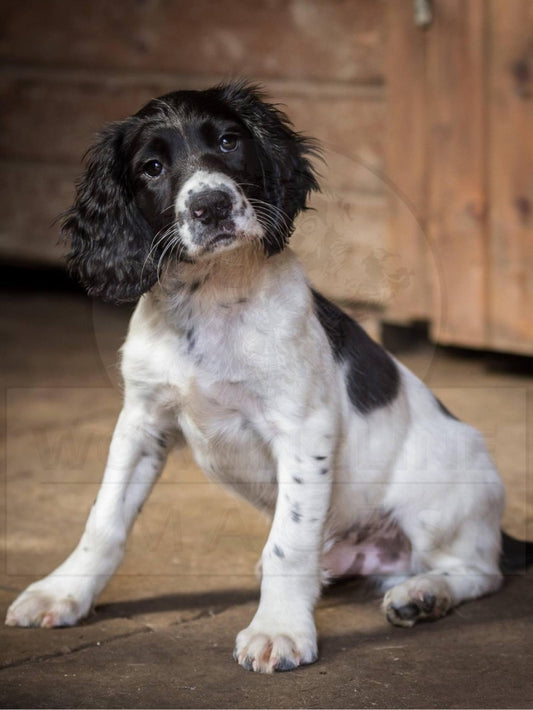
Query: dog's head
[(193, 173)]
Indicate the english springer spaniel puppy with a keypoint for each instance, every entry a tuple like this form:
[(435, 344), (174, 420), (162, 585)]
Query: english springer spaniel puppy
[(187, 207)]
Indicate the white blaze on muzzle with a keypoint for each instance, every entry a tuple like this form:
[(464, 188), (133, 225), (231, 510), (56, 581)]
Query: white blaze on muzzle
[(212, 213)]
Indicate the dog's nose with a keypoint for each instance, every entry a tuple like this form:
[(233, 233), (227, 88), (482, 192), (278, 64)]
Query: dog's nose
[(210, 206)]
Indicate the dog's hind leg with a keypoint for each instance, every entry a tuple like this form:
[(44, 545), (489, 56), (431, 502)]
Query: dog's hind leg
[(450, 579), (448, 499), (137, 454), (432, 594)]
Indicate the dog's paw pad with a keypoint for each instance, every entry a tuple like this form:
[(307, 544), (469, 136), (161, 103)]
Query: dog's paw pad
[(428, 603), (404, 606), (265, 653)]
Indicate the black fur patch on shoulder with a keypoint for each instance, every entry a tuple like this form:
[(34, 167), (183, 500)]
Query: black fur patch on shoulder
[(372, 378)]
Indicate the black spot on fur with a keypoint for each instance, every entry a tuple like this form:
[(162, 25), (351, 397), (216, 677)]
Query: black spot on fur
[(191, 340), (161, 441), (195, 286), (296, 515), (320, 458), (278, 551), (297, 479), (324, 471), (372, 378)]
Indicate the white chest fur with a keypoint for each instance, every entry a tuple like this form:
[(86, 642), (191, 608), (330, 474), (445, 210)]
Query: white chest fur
[(221, 352)]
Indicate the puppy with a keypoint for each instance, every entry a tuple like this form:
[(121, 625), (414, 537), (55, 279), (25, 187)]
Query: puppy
[(187, 207)]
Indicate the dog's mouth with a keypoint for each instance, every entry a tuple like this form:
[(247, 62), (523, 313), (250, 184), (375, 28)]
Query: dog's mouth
[(219, 240)]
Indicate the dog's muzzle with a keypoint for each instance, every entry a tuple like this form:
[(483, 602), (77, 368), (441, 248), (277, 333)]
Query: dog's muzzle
[(213, 213)]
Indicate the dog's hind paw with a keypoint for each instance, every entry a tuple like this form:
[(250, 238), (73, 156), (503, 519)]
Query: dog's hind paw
[(266, 653), (416, 599)]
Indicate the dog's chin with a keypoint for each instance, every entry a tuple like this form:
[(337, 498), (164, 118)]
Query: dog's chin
[(220, 242)]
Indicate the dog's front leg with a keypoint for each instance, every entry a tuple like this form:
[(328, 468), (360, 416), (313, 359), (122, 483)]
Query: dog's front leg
[(136, 457), (282, 634)]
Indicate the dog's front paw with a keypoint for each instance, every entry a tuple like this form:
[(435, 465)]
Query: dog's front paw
[(46, 604), (257, 649), (418, 598)]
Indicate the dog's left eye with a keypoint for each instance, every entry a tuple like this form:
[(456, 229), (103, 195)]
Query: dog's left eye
[(228, 142)]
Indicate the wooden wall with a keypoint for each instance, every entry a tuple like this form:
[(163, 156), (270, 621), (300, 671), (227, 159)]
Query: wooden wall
[(459, 156), (69, 67)]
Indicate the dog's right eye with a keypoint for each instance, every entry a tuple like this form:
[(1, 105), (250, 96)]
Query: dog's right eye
[(153, 168)]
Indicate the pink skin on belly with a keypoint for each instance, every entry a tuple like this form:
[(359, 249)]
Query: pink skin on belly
[(375, 545), (345, 559)]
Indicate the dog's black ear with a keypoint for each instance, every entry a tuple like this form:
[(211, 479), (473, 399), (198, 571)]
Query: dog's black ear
[(109, 237), (284, 154)]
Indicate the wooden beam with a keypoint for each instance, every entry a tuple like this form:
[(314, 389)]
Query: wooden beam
[(457, 190), (510, 305), (406, 166), (261, 40)]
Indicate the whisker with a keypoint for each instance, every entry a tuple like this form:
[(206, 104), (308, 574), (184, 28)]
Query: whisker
[(158, 238), (281, 214), (267, 209), (274, 219), (170, 207)]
